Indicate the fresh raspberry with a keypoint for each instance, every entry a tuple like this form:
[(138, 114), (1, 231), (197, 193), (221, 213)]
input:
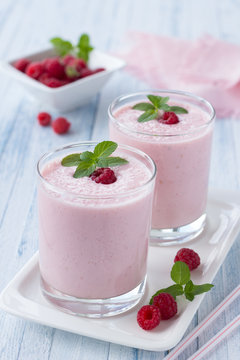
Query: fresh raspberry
[(166, 304), (54, 68), (169, 118), (148, 317), (61, 125), (103, 176), (67, 59), (51, 81), (86, 72), (75, 67), (98, 70), (44, 118), (21, 64), (35, 70), (190, 257)]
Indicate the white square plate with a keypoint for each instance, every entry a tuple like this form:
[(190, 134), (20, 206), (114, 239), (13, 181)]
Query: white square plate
[(69, 96), (22, 297)]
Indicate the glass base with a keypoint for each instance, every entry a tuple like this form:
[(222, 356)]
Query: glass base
[(94, 308), (178, 235)]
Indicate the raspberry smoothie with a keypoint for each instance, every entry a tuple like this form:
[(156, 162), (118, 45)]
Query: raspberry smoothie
[(181, 152), (93, 237)]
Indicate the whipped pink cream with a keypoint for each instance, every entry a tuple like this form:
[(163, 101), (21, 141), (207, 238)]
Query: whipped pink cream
[(182, 155), (93, 239)]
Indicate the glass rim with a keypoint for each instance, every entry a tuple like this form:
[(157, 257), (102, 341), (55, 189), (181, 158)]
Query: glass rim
[(98, 197), (164, 91)]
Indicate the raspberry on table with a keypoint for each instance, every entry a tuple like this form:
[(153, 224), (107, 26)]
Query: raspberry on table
[(44, 118), (169, 118), (21, 64), (103, 176), (148, 317), (61, 125), (166, 304), (188, 256), (35, 70)]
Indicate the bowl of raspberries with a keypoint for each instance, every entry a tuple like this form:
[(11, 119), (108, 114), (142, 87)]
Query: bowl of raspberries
[(64, 76)]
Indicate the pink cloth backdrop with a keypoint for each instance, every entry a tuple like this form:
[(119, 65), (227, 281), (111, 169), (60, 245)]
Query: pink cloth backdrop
[(207, 67)]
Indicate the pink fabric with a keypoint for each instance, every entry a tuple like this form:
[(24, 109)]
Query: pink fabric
[(207, 67)]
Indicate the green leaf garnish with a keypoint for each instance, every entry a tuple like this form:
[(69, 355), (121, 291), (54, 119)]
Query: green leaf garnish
[(105, 148), (62, 47), (148, 115), (83, 47), (71, 160), (174, 290), (151, 110), (81, 50), (143, 106), (88, 161), (192, 290), (180, 273)]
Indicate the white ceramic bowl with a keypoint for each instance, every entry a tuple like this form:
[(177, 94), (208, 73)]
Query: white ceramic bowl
[(71, 96)]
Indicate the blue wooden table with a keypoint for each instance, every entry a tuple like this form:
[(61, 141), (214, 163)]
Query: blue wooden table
[(25, 27)]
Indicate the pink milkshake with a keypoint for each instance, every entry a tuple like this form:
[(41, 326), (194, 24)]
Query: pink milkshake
[(93, 237), (181, 152)]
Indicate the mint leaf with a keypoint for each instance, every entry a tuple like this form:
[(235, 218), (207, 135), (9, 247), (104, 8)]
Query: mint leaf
[(155, 100), (148, 115), (105, 148), (178, 110), (180, 273), (88, 161), (83, 47), (87, 155), (143, 106), (62, 47), (164, 100), (174, 290), (158, 103), (111, 161), (192, 290), (165, 107), (71, 160), (85, 168)]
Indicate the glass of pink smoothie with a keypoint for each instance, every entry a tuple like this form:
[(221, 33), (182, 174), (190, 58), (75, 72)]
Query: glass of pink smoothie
[(181, 152), (93, 237)]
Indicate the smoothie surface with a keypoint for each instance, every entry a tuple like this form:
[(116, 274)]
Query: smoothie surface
[(195, 118), (129, 176)]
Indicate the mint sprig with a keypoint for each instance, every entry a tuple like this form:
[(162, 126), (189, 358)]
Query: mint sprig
[(180, 274), (88, 161), (151, 110), (81, 50)]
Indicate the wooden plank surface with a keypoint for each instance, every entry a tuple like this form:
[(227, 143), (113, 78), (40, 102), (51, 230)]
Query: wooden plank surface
[(25, 27)]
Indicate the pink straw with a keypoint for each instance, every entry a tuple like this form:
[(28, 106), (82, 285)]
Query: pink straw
[(211, 317)]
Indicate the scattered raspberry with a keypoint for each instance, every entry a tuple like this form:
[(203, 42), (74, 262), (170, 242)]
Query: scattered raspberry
[(61, 125), (54, 68), (166, 304), (103, 176), (169, 118), (190, 257), (44, 118), (35, 70), (21, 64), (148, 317)]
